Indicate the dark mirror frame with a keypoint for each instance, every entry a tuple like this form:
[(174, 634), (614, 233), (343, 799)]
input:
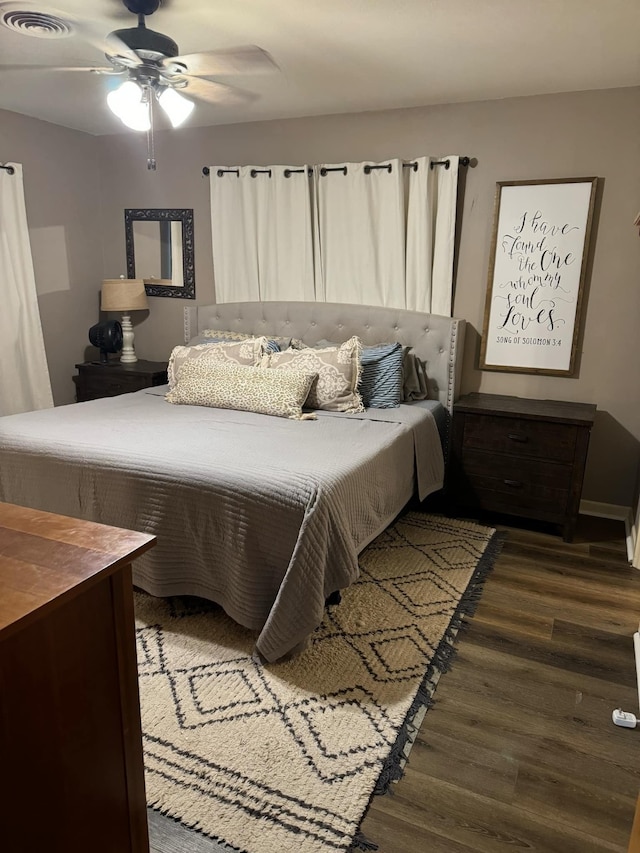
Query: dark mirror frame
[(185, 215)]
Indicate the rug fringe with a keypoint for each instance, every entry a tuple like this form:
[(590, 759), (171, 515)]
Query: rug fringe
[(393, 768), (361, 842)]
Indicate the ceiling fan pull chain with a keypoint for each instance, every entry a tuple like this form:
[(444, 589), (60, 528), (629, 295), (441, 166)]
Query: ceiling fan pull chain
[(151, 152)]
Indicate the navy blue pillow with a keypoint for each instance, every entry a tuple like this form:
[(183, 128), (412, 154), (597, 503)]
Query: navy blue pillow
[(381, 376)]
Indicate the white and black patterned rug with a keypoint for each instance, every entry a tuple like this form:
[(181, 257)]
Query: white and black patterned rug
[(271, 758)]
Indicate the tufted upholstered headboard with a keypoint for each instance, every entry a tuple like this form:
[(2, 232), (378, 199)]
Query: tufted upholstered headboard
[(437, 341)]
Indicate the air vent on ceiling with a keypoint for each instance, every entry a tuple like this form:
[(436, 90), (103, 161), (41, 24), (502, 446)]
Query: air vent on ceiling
[(41, 25)]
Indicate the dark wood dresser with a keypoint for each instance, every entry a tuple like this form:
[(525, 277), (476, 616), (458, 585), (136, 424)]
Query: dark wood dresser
[(70, 734), (520, 457), (95, 380)]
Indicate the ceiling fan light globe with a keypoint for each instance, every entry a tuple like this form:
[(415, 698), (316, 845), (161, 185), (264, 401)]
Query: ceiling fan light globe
[(176, 106), (126, 103), (138, 118), (127, 93)]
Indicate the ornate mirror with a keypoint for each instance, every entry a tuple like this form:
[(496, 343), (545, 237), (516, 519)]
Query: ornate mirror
[(160, 250)]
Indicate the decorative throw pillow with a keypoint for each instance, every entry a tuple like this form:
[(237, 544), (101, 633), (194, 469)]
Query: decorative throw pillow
[(247, 352), (248, 389), (270, 346), (414, 381), (338, 370), (224, 335), (381, 376), (283, 342), (413, 375)]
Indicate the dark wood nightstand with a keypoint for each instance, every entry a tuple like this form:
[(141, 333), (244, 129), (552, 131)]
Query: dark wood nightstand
[(520, 457), (96, 380)]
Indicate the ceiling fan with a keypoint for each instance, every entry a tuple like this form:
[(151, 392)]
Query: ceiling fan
[(152, 60), (154, 70)]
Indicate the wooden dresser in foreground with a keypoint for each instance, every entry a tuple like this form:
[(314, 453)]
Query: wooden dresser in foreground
[(95, 380), (70, 735), (520, 457)]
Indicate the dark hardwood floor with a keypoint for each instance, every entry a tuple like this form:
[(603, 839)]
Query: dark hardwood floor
[(519, 752)]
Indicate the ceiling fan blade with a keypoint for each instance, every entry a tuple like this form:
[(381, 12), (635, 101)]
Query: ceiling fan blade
[(248, 59), (49, 68), (108, 44), (215, 93)]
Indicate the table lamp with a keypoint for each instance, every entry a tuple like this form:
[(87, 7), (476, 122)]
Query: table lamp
[(124, 294)]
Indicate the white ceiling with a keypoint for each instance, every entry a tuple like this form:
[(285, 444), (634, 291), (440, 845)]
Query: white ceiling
[(340, 56)]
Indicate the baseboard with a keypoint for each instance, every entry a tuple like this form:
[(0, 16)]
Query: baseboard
[(621, 513)]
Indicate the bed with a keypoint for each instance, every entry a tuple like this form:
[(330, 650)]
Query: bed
[(264, 515)]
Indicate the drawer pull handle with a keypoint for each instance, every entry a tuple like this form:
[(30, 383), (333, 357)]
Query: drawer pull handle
[(517, 436), (512, 482)]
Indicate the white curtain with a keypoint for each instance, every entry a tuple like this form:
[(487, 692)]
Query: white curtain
[(431, 194), (380, 234), (261, 233), (360, 233), (24, 374), (386, 233)]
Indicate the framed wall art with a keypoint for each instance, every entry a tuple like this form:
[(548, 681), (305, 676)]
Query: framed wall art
[(536, 279)]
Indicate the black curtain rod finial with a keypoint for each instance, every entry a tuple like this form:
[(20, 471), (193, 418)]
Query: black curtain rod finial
[(8, 169)]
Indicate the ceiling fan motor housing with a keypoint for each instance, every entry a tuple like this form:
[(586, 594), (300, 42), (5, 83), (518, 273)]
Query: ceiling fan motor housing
[(148, 42), (142, 7)]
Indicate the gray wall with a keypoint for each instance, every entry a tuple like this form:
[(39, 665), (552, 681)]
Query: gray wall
[(62, 194), (568, 135)]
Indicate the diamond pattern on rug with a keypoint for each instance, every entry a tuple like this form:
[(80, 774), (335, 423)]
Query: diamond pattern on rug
[(340, 734), (423, 594), (219, 693), (205, 693), (282, 757), (393, 654)]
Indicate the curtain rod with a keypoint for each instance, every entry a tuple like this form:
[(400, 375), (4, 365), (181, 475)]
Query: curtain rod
[(9, 169), (464, 161)]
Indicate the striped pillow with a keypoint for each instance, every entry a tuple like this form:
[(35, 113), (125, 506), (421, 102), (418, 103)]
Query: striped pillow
[(381, 376)]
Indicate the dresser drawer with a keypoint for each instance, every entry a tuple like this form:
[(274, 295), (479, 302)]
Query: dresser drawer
[(524, 438), (510, 484)]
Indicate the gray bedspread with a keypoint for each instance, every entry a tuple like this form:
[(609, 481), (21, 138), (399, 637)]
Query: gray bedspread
[(264, 515)]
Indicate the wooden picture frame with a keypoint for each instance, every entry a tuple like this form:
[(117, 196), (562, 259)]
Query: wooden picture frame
[(537, 268)]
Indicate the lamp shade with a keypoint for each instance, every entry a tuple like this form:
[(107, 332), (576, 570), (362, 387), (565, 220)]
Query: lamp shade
[(123, 294)]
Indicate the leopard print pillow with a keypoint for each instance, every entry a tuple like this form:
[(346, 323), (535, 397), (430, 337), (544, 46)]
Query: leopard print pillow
[(238, 386)]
